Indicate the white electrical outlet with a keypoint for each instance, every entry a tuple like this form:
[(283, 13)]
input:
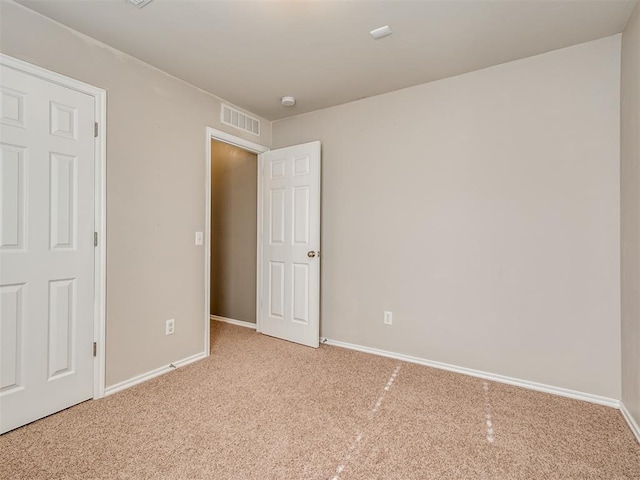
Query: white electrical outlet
[(170, 327), (388, 318)]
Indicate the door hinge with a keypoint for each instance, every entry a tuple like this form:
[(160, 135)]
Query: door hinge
[(95, 239), (95, 129), (95, 349)]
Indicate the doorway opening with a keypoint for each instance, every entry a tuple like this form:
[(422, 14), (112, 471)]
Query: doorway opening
[(287, 242), (232, 227), (234, 197)]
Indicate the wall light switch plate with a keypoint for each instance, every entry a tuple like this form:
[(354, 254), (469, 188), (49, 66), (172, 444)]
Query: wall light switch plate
[(199, 238)]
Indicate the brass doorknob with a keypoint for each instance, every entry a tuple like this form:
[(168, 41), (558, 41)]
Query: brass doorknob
[(311, 254)]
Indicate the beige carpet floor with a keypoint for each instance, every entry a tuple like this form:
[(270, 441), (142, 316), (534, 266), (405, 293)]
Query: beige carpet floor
[(261, 408)]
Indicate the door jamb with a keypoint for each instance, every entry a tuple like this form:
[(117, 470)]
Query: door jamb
[(99, 194), (219, 135)]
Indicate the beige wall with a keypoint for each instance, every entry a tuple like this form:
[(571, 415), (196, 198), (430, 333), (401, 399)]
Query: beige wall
[(155, 190), (234, 176), (483, 210), (630, 215)]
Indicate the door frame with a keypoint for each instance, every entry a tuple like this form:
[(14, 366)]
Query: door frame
[(99, 200), (220, 136)]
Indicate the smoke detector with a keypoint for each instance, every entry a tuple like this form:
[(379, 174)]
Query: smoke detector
[(139, 3), (288, 101)]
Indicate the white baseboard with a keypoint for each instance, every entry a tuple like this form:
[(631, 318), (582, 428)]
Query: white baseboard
[(153, 373), (630, 421), (563, 392), (240, 323)]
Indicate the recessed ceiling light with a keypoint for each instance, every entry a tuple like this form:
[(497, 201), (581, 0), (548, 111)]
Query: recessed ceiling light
[(381, 32), (288, 101), (139, 3)]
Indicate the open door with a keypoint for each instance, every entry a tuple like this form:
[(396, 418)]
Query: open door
[(290, 243)]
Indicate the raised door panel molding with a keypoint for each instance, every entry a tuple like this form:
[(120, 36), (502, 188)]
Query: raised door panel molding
[(12, 105), (12, 197), (12, 300)]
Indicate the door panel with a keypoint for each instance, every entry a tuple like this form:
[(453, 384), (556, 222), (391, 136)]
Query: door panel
[(63, 201), (12, 197), (276, 216), (62, 304), (276, 289), (12, 302), (301, 215), (300, 281), (290, 296), (46, 247)]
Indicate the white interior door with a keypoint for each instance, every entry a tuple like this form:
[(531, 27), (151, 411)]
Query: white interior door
[(290, 244), (46, 247)]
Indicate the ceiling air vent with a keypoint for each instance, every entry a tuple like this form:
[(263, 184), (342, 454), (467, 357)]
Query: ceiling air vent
[(237, 119), (139, 3)]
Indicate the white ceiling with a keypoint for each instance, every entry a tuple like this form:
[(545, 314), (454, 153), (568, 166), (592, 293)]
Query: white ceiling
[(253, 52)]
